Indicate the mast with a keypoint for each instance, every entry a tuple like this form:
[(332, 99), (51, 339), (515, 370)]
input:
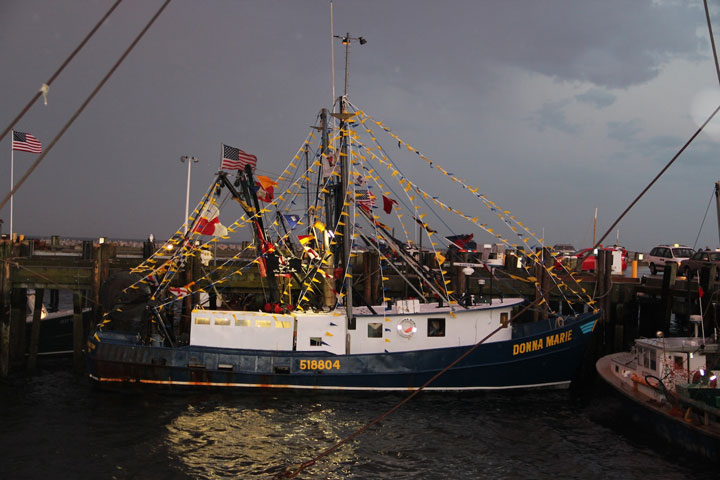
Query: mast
[(344, 185), (717, 200), (595, 226), (347, 231)]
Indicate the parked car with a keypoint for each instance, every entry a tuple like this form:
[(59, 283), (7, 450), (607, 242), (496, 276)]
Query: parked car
[(663, 254), (587, 257), (698, 260), (564, 249)]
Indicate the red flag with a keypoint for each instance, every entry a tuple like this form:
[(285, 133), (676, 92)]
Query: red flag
[(461, 240), (209, 222), (388, 204), (265, 194), (701, 292)]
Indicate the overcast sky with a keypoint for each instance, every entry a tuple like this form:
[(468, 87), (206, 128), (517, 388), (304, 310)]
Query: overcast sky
[(554, 108)]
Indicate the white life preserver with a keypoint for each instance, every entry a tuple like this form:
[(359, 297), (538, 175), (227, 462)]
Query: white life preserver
[(406, 328)]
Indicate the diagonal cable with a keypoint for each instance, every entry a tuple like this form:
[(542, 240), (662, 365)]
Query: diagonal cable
[(46, 86), (294, 473), (82, 107), (687, 144)]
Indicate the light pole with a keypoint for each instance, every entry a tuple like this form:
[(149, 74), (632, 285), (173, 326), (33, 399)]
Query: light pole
[(190, 161)]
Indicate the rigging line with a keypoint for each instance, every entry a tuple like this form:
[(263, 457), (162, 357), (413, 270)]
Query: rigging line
[(697, 132), (704, 217), (397, 270), (493, 206), (712, 39), (82, 107), (385, 152), (43, 90), (424, 195), (292, 474), (369, 214), (421, 275), (174, 259), (436, 200)]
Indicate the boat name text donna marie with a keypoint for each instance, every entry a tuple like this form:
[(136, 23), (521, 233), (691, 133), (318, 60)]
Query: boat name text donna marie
[(549, 341)]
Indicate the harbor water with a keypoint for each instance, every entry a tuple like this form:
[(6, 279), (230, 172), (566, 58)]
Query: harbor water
[(56, 425)]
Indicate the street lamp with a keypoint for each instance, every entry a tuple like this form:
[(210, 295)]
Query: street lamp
[(190, 161)]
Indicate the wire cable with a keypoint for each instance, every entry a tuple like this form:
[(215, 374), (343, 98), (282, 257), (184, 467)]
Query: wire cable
[(46, 85), (82, 107)]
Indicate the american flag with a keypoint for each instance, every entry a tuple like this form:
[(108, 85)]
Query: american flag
[(235, 159), (366, 200), (26, 143)]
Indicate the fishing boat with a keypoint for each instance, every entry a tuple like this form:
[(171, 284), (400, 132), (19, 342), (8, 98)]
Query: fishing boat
[(326, 320), (55, 335), (670, 386)]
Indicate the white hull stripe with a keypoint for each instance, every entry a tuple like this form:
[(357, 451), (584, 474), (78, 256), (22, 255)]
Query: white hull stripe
[(323, 387)]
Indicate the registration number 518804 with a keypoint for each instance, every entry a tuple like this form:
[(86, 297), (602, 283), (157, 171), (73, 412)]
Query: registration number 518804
[(319, 364)]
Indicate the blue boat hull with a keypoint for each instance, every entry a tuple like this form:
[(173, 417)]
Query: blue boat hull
[(548, 358)]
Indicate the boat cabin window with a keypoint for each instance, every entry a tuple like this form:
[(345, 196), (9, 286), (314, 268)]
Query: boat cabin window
[(436, 327), (712, 361), (374, 330), (678, 362), (202, 321), (649, 358), (222, 321), (315, 341)]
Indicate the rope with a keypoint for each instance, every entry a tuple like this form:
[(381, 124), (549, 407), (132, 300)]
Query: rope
[(687, 144), (292, 474), (82, 107), (712, 39), (703, 220), (46, 86)]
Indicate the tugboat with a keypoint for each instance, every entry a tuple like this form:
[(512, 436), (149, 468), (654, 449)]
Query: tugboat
[(671, 386)]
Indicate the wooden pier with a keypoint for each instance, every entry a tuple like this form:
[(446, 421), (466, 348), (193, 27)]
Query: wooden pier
[(632, 306)]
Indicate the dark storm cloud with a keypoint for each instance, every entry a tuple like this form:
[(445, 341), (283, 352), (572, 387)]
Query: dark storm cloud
[(466, 82)]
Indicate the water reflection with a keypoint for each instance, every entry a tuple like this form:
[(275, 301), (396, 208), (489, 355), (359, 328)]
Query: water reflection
[(223, 438), (77, 432)]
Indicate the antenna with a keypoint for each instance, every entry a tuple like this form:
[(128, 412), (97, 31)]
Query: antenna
[(346, 40), (332, 56)]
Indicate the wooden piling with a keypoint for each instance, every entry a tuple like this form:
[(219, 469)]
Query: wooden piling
[(603, 275), (35, 331), (79, 334), (18, 316), (669, 278), (367, 275), (101, 271), (5, 288)]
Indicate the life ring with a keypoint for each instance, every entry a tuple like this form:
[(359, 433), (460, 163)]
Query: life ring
[(406, 328), (559, 322)]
